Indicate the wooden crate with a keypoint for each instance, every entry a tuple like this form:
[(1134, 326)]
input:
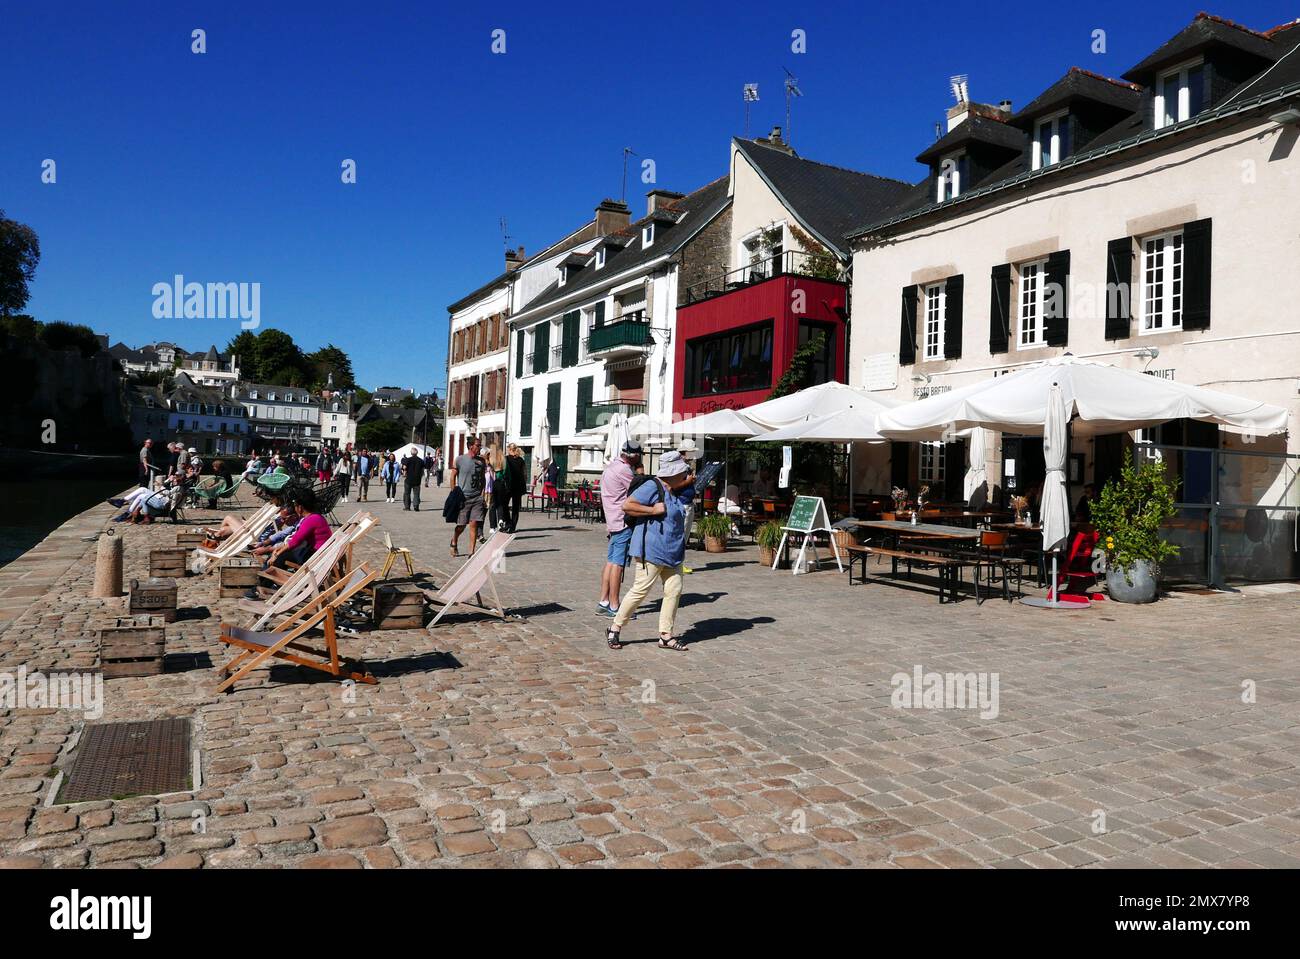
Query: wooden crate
[(156, 596), (168, 561), (190, 538), (132, 646), (237, 576), (398, 606)]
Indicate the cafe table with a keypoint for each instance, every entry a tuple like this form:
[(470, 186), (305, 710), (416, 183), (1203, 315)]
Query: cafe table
[(936, 532)]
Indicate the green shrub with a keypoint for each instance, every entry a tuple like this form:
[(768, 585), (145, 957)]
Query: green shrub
[(714, 524), (1130, 512), (769, 534)]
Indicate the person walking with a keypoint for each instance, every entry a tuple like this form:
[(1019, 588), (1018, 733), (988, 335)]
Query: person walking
[(363, 476), (691, 453), (496, 492), (145, 471), (343, 473), (389, 473), (413, 469), (615, 484), (468, 473), (439, 465), (323, 465), (516, 483), (658, 510), (428, 467)]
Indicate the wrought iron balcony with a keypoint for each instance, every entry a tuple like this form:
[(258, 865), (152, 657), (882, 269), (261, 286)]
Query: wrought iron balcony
[(628, 334), (599, 414)]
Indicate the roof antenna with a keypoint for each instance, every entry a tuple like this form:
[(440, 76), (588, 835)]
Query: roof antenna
[(505, 237), (751, 96), (791, 90), (627, 152), (960, 86)]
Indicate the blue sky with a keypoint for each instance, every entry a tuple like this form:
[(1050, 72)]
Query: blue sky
[(225, 166)]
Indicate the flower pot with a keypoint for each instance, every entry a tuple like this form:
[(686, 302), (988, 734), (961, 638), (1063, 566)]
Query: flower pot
[(1134, 584), (715, 544), (767, 555)]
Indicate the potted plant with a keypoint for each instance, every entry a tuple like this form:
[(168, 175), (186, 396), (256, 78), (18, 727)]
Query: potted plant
[(1128, 517), (769, 538), (715, 528)]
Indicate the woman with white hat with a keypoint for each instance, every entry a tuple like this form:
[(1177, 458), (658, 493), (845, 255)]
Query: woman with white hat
[(656, 511), (690, 452)]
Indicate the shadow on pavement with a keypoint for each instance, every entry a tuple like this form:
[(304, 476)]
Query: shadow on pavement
[(719, 627)]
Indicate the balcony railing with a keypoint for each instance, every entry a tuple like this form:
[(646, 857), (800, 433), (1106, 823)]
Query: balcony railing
[(599, 414), (818, 266), (630, 331)]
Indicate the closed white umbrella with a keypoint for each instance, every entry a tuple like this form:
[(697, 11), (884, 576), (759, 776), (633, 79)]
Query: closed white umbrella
[(1055, 505), (419, 449), (616, 435), (542, 448), (977, 472)]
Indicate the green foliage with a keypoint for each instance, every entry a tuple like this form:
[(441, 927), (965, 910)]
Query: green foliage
[(714, 524), (1129, 514), (70, 336), (329, 359), (272, 356), (814, 463), (409, 403), (20, 251), (361, 397), (382, 435), (21, 327), (769, 534)]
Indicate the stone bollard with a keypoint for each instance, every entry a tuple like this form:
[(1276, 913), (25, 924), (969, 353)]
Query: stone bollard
[(108, 567)]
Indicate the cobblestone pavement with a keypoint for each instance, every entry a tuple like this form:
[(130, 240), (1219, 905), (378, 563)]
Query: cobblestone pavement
[(771, 742)]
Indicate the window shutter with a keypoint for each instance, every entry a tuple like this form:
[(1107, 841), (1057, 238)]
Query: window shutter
[(954, 475), (1056, 322), (1000, 309), (952, 316), (907, 329), (570, 354), (1196, 275), (600, 313), (899, 459), (1119, 288), (584, 400), (541, 346), (553, 407), (519, 353), (526, 413)]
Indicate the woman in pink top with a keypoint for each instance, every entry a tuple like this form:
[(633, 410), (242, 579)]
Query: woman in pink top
[(313, 530)]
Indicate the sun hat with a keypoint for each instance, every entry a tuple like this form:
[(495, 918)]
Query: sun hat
[(671, 464), (689, 450)]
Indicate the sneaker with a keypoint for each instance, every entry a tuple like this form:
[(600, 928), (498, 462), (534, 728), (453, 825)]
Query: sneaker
[(610, 611), (117, 501), (602, 609)]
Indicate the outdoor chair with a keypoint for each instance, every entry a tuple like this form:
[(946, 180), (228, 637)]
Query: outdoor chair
[(393, 553), (992, 553), (203, 560), (287, 643)]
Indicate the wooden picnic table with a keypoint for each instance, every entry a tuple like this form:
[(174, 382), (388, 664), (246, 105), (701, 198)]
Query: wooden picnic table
[(947, 564), (935, 530)]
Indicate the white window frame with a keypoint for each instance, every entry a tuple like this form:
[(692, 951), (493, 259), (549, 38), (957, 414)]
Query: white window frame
[(647, 236), (932, 339), (955, 160), (932, 467), (562, 273), (1035, 299), (1182, 110), (1053, 122), (600, 257), (1167, 267)]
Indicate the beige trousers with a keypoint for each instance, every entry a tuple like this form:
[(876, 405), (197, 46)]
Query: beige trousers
[(646, 574)]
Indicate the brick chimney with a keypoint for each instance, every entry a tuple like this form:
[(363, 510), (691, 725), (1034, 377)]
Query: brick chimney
[(612, 216), (514, 259), (658, 199), (774, 141), (961, 111)]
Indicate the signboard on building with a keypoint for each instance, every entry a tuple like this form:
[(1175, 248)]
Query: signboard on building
[(880, 371)]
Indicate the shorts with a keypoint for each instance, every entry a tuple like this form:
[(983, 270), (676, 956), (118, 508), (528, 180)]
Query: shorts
[(471, 511), (619, 544)]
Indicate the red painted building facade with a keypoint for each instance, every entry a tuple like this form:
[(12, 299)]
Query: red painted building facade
[(732, 348)]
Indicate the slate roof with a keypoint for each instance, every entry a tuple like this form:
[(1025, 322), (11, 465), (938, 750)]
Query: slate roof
[(1079, 84), (690, 214), (974, 129), (829, 200), (1204, 31)]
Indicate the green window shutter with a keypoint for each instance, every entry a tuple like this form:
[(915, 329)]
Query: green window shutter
[(519, 353), (907, 327), (553, 407), (584, 401), (541, 347), (1000, 309), (1197, 237), (570, 355), (526, 414), (600, 313)]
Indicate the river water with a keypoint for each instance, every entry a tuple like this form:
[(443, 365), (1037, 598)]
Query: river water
[(35, 508)]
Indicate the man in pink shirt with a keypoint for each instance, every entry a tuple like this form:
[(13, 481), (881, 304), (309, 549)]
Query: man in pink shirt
[(615, 483)]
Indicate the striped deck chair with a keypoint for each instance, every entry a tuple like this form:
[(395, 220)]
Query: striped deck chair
[(287, 641), (311, 578), (202, 560)]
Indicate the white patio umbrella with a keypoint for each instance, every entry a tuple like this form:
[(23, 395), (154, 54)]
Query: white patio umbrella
[(853, 424), (616, 435), (816, 401), (1055, 505), (977, 472), (722, 422)]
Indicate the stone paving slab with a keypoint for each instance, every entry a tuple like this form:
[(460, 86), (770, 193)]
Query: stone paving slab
[(773, 741)]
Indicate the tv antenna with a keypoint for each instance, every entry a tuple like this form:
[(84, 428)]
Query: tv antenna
[(751, 96), (791, 91), (960, 87), (627, 152), (505, 237)]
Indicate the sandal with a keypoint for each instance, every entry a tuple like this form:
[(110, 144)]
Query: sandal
[(672, 643), (454, 551), (612, 640)]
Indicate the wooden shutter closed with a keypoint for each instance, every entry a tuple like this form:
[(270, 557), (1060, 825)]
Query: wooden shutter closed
[(1196, 275), (953, 294), (519, 353), (1056, 321), (526, 413), (907, 327), (541, 347), (954, 471), (553, 407), (584, 402), (569, 356), (1119, 288), (1000, 309), (600, 313)]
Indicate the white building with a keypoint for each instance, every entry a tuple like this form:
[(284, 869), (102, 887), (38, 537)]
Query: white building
[(337, 426), (283, 419)]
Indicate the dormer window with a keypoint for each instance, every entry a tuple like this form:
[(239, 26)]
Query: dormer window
[(600, 258), (952, 177), (648, 235), (270, 396), (1051, 140), (1180, 95), (564, 275)]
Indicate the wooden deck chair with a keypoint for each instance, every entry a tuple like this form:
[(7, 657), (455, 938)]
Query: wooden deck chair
[(393, 553), (288, 642), (202, 560), (472, 578), (312, 576)]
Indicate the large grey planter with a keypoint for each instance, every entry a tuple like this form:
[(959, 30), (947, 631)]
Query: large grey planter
[(1135, 584)]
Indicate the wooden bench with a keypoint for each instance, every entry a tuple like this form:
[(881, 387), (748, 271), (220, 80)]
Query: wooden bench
[(948, 565)]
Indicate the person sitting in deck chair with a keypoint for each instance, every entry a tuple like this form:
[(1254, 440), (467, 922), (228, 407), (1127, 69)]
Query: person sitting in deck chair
[(280, 529), (312, 533)]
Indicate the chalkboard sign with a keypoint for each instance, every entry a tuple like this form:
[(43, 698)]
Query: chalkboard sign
[(706, 476), (803, 515)]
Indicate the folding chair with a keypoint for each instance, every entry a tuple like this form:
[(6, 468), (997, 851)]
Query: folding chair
[(203, 560), (258, 647), (393, 553)]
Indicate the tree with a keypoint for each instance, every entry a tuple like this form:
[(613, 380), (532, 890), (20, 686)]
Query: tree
[(330, 360), (382, 435), (362, 396), (279, 359), (244, 346), (409, 403), (21, 326), (20, 251), (70, 336)]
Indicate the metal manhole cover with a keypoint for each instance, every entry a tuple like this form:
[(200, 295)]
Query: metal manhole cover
[(116, 760)]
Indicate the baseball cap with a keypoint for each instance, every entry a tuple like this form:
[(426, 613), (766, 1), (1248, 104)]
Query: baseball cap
[(632, 448), (671, 464)]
